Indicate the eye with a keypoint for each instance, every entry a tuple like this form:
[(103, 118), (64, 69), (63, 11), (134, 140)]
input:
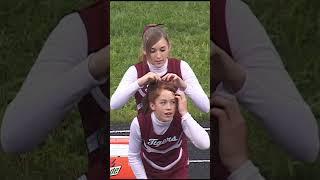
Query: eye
[(152, 50), (163, 49)]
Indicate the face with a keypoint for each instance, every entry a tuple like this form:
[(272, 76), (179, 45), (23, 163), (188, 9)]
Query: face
[(159, 53), (164, 105)]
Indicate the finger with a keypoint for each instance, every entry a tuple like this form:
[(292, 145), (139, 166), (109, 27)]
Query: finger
[(170, 77), (157, 77), (221, 116), (174, 78), (180, 93), (164, 77), (178, 97), (229, 104)]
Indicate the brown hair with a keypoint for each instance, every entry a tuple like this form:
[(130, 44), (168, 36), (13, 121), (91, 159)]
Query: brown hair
[(153, 92), (152, 33)]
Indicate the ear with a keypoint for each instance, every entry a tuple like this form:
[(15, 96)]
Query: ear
[(152, 106), (144, 52)]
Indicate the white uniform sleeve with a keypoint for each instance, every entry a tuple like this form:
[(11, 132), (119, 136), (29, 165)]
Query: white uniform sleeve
[(194, 89), (247, 171), (268, 91), (197, 135), (56, 82), (134, 151), (128, 86)]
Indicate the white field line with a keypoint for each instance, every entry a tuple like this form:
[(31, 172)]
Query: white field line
[(127, 131), (200, 161)]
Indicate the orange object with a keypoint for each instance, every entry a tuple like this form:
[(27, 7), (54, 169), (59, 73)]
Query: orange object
[(119, 164)]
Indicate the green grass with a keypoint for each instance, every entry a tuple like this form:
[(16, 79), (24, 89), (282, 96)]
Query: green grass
[(24, 27), (188, 26)]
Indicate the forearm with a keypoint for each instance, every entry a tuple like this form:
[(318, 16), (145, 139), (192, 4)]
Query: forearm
[(57, 80), (122, 95), (198, 97), (194, 90), (285, 117), (137, 165), (127, 87), (197, 135), (135, 149), (40, 106)]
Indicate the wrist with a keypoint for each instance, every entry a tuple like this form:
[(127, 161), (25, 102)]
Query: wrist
[(236, 163), (183, 86), (183, 113), (141, 81), (185, 116), (96, 71)]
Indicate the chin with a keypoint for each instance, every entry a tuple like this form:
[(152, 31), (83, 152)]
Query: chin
[(167, 119), (159, 65)]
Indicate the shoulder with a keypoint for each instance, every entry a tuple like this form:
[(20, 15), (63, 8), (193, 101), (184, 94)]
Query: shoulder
[(235, 8), (135, 124), (135, 128), (185, 67), (70, 27), (131, 71), (71, 20)]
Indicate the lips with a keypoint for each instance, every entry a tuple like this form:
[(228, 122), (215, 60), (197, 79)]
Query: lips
[(168, 114), (158, 62)]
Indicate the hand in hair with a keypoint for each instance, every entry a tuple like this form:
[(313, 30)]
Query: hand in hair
[(182, 102), (176, 80), (232, 131), (226, 70), (147, 78)]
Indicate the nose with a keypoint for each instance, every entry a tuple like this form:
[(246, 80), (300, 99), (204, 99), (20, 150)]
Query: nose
[(170, 106), (158, 55)]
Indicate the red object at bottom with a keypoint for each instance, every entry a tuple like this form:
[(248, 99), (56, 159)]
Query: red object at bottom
[(119, 163)]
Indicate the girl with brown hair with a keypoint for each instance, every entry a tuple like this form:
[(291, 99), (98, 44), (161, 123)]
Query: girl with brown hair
[(155, 65)]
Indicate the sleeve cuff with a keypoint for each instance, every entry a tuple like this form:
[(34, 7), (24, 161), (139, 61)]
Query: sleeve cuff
[(136, 85), (186, 116), (245, 171)]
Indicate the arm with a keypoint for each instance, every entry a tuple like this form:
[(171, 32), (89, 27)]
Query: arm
[(268, 90), (194, 89), (129, 86), (197, 135), (247, 171), (134, 151), (57, 80)]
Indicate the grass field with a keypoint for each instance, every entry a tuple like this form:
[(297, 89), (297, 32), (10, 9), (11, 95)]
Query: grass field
[(293, 26), (188, 26)]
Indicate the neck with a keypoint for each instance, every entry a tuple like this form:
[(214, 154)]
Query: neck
[(161, 69), (158, 120)]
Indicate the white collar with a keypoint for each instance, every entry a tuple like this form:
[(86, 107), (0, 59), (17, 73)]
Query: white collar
[(158, 70), (157, 122)]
